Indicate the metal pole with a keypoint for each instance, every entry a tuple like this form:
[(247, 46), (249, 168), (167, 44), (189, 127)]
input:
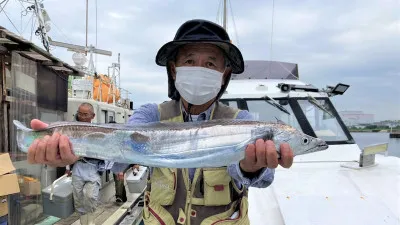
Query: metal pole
[(2, 103), (224, 14), (119, 70), (87, 19)]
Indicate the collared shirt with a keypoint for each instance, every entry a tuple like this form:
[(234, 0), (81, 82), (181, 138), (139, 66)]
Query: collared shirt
[(149, 113), (202, 116)]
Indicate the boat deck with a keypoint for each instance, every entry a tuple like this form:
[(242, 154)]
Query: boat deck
[(109, 212)]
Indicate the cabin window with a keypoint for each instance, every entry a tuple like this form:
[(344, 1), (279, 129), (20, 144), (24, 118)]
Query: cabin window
[(323, 122), (264, 111), (232, 103)]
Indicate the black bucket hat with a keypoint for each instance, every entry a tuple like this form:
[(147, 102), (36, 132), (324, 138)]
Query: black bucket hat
[(200, 31)]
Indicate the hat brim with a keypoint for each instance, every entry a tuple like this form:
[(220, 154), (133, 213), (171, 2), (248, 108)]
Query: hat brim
[(231, 51)]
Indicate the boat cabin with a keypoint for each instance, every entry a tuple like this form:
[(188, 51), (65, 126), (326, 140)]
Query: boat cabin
[(344, 184)]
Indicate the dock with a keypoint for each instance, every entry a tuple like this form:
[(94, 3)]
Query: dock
[(394, 135), (108, 212)]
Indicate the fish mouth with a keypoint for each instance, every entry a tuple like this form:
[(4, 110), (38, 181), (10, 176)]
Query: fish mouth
[(323, 146), (319, 147)]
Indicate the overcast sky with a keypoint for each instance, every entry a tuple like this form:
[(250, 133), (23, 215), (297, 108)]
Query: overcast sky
[(355, 42)]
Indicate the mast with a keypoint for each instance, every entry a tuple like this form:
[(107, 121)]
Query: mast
[(87, 15), (119, 70), (224, 23)]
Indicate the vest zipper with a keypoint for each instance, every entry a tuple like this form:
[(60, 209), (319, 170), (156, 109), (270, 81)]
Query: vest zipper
[(224, 220), (157, 216), (189, 198)]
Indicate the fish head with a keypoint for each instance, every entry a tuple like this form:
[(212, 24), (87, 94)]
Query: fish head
[(299, 142)]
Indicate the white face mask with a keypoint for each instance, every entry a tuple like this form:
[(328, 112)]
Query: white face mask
[(197, 85)]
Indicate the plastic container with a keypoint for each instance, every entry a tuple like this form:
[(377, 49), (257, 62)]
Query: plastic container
[(137, 183), (59, 202)]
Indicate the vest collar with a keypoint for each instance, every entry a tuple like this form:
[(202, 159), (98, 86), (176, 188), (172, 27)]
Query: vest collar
[(207, 112)]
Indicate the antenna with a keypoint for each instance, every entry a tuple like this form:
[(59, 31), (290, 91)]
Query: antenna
[(79, 60), (44, 26)]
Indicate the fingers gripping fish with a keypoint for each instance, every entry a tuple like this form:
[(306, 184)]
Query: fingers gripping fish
[(212, 143)]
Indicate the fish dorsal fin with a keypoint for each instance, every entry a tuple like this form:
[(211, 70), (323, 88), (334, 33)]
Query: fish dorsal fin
[(95, 136), (280, 121)]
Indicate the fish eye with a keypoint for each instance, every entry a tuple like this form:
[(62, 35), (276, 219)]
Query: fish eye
[(304, 141)]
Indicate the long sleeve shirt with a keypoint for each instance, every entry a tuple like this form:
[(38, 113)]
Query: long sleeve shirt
[(149, 113)]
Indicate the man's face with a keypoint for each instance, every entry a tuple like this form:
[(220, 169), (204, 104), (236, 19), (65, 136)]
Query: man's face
[(85, 114), (200, 55)]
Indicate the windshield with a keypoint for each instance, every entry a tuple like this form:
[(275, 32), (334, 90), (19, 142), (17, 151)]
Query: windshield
[(325, 125), (315, 117), (264, 110)]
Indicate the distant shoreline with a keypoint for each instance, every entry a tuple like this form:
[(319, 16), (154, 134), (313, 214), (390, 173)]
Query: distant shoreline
[(373, 131)]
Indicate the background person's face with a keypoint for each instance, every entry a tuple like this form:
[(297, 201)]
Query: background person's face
[(85, 114)]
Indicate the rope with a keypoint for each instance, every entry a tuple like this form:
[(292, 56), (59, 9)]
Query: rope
[(333, 161)]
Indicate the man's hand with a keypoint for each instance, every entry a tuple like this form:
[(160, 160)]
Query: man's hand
[(263, 154), (55, 150), (68, 172), (135, 169)]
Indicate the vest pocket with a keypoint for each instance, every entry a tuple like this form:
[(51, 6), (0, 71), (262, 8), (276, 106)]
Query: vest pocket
[(163, 186), (216, 187), (224, 218), (156, 215)]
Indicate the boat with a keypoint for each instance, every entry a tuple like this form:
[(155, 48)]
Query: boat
[(344, 184), (341, 185)]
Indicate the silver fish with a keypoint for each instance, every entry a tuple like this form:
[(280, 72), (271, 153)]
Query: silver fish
[(212, 143)]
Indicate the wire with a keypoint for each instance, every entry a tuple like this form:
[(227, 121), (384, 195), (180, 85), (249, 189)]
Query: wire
[(29, 21), (10, 19), (33, 25), (30, 2), (95, 56), (218, 12), (234, 24), (272, 32), (2, 8), (62, 33)]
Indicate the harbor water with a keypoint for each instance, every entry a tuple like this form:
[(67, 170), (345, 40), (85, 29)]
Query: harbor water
[(364, 139)]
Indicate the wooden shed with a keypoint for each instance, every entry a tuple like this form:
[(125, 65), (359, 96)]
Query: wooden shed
[(33, 84)]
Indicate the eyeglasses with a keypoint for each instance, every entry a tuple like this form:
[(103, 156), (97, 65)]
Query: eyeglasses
[(84, 115)]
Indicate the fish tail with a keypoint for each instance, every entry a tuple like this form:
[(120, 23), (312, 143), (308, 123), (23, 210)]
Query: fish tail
[(25, 136), (21, 126)]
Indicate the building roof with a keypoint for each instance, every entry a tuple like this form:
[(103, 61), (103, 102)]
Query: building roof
[(31, 51)]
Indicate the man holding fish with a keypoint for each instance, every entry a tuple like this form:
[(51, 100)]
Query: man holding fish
[(199, 63)]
